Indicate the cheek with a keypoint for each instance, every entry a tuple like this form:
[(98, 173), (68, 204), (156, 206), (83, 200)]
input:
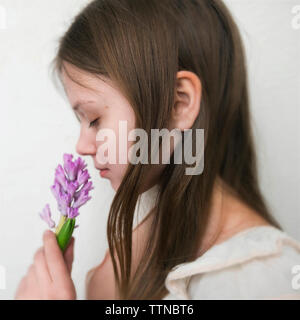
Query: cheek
[(119, 170), (121, 122), (122, 143), (114, 150), (122, 151), (117, 174)]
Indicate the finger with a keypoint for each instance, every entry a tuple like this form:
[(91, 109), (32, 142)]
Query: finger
[(41, 268), (69, 254), (31, 278), (56, 264), (21, 290), (29, 288)]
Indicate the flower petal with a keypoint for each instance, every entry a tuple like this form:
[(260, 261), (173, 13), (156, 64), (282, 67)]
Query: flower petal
[(46, 216), (72, 213)]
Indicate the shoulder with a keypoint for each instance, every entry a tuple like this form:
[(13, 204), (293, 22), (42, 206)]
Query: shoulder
[(99, 281), (257, 263)]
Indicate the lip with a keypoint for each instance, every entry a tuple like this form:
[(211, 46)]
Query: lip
[(103, 172), (100, 168)]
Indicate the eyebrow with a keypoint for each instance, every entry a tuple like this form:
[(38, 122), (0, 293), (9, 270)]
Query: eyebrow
[(78, 104)]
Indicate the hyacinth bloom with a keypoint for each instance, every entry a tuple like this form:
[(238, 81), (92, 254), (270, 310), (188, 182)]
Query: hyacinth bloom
[(46, 216), (71, 189)]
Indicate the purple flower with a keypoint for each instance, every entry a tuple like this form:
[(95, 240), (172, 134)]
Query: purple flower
[(83, 177), (71, 188), (87, 187), (83, 197), (60, 177), (67, 157), (70, 167), (46, 216), (72, 213), (64, 203), (80, 163), (56, 190)]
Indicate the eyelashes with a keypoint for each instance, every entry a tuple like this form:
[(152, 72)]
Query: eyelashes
[(94, 123)]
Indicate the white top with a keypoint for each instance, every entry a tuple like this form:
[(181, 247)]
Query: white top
[(257, 263)]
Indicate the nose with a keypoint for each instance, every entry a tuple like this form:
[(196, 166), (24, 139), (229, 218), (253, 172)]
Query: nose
[(86, 144)]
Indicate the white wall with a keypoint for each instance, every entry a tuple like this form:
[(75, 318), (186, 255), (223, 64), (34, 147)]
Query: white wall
[(37, 126)]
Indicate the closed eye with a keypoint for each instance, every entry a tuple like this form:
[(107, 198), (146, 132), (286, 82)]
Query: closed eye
[(94, 123)]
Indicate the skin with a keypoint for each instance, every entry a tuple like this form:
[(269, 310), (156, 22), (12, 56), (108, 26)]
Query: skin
[(103, 99), (49, 276), (106, 103)]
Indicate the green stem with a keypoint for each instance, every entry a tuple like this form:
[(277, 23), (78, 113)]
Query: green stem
[(65, 234), (60, 224)]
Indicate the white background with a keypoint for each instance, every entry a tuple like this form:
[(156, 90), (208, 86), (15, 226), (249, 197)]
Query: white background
[(37, 127)]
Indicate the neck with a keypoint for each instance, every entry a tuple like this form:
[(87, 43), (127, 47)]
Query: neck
[(227, 216)]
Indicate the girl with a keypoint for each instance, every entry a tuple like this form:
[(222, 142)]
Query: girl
[(169, 64)]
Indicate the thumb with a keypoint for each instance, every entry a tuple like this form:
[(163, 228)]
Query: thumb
[(69, 254)]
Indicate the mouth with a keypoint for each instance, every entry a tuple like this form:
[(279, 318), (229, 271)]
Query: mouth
[(103, 172)]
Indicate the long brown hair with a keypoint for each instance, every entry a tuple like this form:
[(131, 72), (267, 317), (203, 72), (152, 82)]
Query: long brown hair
[(141, 45)]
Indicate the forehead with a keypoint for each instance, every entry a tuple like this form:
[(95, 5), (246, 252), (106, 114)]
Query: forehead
[(80, 84), (74, 77)]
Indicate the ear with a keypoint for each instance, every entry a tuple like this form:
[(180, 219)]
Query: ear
[(187, 100)]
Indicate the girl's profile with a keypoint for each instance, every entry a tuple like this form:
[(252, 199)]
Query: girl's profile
[(170, 64)]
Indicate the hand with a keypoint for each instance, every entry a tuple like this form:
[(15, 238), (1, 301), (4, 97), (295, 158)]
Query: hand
[(49, 277)]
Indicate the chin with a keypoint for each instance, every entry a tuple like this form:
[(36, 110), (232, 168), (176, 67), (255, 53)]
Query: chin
[(114, 185)]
